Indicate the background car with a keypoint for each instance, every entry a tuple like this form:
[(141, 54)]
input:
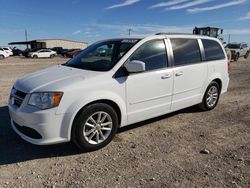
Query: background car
[(17, 52), (238, 50), (8, 50), (73, 53), (58, 50), (43, 53), (3, 54), (70, 53)]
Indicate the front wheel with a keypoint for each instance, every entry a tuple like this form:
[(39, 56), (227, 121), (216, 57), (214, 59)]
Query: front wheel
[(211, 97), (236, 58), (94, 127), (1, 57), (246, 55)]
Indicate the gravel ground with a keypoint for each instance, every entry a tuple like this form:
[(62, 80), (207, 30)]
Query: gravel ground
[(162, 152)]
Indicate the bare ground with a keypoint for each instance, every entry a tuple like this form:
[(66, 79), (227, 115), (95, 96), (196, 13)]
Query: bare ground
[(162, 152)]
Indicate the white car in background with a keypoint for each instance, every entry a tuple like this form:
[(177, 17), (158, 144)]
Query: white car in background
[(43, 53), (8, 50), (3, 54)]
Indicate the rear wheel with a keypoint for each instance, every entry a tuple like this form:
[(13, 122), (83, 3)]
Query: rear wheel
[(1, 57), (35, 56), (246, 56), (211, 97), (94, 127), (52, 56)]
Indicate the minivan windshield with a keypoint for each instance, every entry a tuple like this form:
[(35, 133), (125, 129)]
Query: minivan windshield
[(102, 56)]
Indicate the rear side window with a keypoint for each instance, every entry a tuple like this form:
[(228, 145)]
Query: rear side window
[(213, 50), (153, 54), (186, 51)]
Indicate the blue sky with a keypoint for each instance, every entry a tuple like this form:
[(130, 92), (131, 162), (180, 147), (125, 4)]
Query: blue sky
[(91, 20)]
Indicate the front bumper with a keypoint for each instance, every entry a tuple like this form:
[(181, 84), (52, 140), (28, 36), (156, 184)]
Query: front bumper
[(44, 122)]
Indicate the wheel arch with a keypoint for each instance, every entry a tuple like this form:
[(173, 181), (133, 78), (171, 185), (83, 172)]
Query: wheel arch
[(218, 80), (104, 101), (71, 117)]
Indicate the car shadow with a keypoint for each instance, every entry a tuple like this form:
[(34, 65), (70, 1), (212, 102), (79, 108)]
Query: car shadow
[(192, 109), (13, 149)]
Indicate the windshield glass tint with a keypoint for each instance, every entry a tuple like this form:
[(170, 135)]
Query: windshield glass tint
[(102, 56)]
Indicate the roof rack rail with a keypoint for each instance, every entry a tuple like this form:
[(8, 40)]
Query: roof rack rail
[(169, 33)]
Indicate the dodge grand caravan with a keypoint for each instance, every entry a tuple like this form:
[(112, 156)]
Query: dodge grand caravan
[(117, 82)]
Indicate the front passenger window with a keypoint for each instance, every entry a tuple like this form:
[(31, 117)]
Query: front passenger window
[(153, 54)]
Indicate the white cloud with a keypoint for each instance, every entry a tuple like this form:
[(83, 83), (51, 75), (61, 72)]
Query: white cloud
[(219, 6), (169, 3), (246, 17), (125, 3), (76, 32), (188, 4)]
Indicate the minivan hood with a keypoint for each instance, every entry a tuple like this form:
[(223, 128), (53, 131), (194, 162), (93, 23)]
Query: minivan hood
[(53, 79)]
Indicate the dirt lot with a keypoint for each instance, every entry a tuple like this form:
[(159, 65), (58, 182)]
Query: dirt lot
[(163, 152)]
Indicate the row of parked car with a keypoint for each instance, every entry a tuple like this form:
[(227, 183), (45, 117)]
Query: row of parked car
[(39, 52), (237, 50), (50, 53)]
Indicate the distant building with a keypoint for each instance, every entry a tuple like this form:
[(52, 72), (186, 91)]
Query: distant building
[(51, 43)]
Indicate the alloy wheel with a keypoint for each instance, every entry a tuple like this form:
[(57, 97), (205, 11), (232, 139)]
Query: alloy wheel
[(212, 96), (97, 128)]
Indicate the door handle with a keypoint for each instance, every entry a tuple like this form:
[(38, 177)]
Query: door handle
[(166, 76), (179, 73)]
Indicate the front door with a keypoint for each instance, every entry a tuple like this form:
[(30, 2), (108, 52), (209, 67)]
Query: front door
[(149, 93)]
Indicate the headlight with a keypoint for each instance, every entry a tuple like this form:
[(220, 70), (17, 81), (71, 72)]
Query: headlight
[(45, 100)]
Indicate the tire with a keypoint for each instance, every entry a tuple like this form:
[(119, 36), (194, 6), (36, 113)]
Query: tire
[(35, 56), (52, 56), (211, 97), (86, 131), (1, 57), (236, 58), (246, 55)]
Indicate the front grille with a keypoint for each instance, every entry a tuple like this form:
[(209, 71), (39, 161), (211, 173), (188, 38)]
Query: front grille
[(28, 131), (18, 102), (20, 94), (18, 97)]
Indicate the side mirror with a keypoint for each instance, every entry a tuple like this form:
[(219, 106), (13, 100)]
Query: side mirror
[(135, 66)]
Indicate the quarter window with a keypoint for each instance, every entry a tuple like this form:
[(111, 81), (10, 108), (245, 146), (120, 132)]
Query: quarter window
[(186, 51), (153, 54), (213, 50)]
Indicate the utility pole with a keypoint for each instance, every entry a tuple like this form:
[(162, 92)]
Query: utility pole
[(229, 38), (26, 38), (129, 31)]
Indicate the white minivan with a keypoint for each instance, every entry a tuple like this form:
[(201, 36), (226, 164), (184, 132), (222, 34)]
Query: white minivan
[(117, 82)]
